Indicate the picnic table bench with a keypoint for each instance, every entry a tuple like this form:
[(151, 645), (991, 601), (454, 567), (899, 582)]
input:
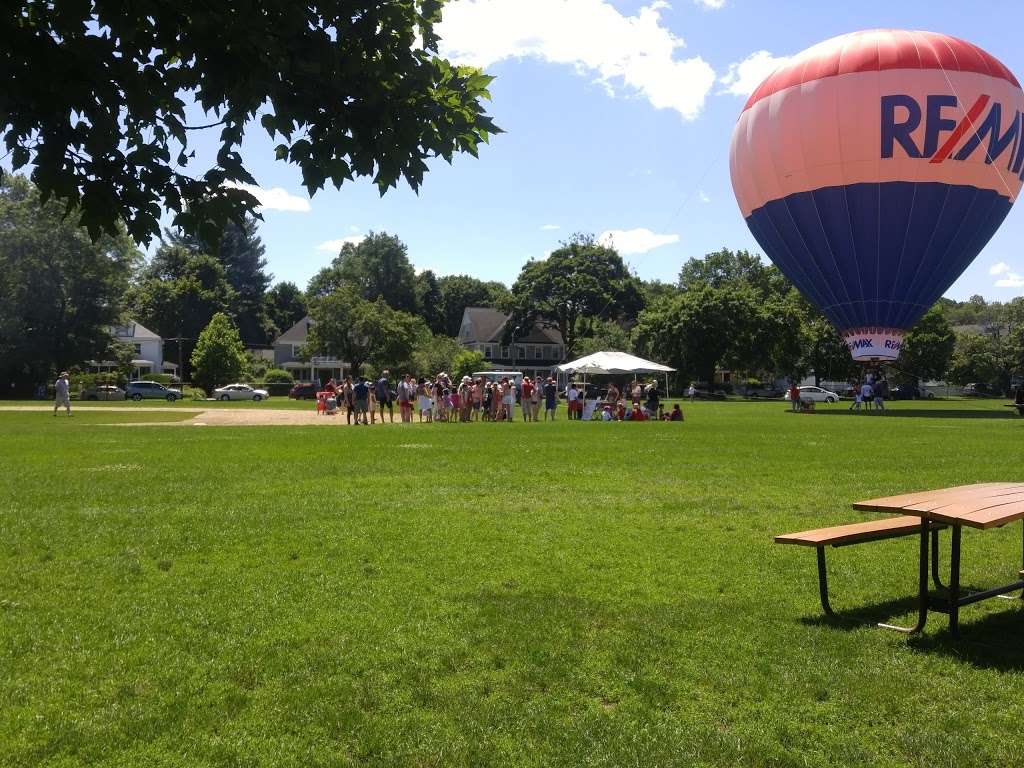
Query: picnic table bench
[(982, 506)]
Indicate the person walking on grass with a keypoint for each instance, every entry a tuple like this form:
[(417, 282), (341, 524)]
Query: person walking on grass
[(62, 393), (382, 393)]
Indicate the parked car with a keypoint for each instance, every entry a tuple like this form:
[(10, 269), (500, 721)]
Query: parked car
[(816, 395), (103, 393), (303, 392), (151, 390), (977, 390), (240, 392), (762, 390), (703, 394), (910, 392)]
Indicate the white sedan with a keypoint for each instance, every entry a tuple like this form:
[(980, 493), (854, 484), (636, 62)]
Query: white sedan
[(240, 392), (815, 395)]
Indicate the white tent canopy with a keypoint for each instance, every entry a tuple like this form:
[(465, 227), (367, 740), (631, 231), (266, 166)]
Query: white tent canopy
[(613, 363)]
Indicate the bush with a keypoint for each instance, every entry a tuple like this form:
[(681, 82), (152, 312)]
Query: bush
[(278, 388), (278, 376)]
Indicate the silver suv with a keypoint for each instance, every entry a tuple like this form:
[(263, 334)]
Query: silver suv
[(150, 390)]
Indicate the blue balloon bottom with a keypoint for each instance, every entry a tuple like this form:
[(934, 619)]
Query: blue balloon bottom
[(877, 255)]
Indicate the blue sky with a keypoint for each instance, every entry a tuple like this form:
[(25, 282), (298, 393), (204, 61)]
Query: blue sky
[(618, 116)]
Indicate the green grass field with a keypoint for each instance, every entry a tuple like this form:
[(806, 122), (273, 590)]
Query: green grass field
[(490, 594)]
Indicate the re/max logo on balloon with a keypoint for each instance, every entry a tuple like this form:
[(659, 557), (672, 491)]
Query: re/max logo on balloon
[(947, 127), (891, 344)]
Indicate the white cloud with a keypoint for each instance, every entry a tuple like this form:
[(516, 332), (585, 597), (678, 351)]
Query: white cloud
[(703, 196), (275, 198), (633, 53), (712, 4), (999, 268), (1012, 280), (744, 76), (551, 226), (334, 246), (631, 241)]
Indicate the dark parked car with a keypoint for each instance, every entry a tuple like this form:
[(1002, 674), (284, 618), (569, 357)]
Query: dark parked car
[(303, 392), (977, 390), (910, 392), (763, 390)]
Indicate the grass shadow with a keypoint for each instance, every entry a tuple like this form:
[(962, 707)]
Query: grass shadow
[(993, 641), (990, 642), (922, 413), (854, 618)]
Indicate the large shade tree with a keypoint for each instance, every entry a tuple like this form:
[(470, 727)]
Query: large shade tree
[(377, 266), (582, 279), (461, 291), (359, 331), (241, 253), (177, 295), (59, 290), (347, 88), (285, 305)]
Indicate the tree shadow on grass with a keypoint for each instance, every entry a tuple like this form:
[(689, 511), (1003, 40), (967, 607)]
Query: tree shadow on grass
[(922, 413)]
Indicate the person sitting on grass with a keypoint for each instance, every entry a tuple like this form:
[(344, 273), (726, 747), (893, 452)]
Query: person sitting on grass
[(677, 413)]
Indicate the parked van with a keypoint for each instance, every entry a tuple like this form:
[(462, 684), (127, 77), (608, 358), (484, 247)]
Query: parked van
[(516, 376)]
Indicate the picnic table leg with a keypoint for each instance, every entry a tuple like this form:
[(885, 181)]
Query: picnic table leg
[(922, 585), (823, 583), (954, 584), (935, 560)]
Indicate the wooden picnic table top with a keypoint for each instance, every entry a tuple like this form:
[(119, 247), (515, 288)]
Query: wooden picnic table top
[(982, 505)]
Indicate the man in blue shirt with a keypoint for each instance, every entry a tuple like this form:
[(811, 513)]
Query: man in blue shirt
[(362, 393)]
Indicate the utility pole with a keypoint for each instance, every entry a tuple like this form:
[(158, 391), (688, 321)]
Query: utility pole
[(179, 338)]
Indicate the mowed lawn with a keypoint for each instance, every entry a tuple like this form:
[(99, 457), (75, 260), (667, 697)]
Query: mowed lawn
[(491, 594)]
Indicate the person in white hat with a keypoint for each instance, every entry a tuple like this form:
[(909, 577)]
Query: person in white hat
[(62, 393)]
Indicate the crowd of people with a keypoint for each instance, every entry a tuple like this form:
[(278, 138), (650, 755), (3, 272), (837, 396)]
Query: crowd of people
[(440, 399), (870, 392)]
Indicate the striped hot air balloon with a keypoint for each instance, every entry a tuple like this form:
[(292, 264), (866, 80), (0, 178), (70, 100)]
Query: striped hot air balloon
[(873, 168)]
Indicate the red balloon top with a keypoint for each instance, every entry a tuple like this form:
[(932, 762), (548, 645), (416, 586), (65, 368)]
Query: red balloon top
[(874, 50)]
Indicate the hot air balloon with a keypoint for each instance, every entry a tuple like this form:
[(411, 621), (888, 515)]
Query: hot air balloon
[(872, 169)]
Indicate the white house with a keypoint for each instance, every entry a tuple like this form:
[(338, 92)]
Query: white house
[(148, 348)]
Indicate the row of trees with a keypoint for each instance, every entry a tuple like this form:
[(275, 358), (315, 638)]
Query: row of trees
[(728, 310)]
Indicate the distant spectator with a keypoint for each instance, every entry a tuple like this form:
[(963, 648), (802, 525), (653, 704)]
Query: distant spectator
[(361, 392), (382, 393), (62, 393), (691, 392), (550, 399), (794, 397)]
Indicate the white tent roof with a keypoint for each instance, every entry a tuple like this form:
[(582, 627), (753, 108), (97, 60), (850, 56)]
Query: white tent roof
[(613, 362)]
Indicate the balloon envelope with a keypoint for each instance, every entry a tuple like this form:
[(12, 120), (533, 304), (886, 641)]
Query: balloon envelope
[(873, 168)]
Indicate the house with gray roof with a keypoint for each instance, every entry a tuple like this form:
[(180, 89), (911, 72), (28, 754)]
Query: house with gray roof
[(288, 355), (535, 352)]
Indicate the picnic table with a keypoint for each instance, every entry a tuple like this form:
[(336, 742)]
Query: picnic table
[(982, 506)]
